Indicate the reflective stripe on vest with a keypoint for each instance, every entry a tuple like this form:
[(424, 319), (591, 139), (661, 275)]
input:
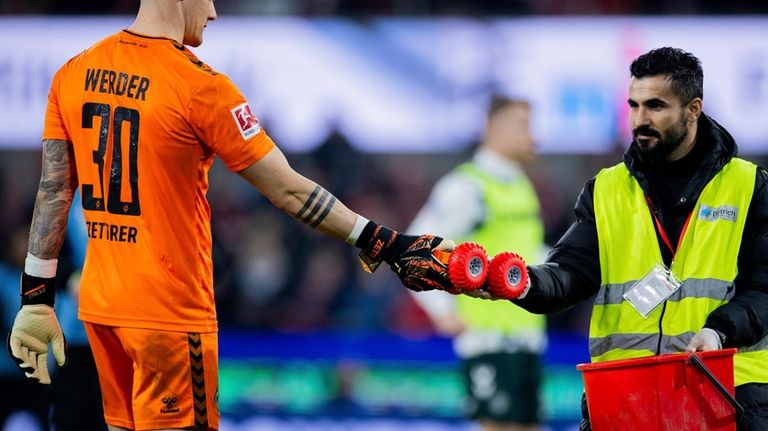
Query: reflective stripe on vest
[(512, 223), (706, 262)]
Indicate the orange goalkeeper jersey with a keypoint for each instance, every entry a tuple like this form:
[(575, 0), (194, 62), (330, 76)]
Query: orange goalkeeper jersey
[(146, 118)]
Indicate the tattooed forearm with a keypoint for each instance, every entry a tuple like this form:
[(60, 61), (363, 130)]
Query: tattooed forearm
[(54, 197), (317, 207)]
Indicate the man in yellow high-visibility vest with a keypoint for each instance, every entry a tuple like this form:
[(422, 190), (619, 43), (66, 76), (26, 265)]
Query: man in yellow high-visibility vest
[(673, 242)]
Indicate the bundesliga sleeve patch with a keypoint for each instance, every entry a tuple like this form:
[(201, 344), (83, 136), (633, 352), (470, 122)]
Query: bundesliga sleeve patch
[(246, 122)]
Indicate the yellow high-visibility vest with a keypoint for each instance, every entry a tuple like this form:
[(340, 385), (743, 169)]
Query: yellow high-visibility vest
[(705, 262)]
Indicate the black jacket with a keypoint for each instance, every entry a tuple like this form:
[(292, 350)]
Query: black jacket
[(572, 271)]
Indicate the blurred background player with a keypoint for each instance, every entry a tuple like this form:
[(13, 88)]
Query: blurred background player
[(489, 200), (136, 120)]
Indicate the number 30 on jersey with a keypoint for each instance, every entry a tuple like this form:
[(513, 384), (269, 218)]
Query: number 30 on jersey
[(119, 117)]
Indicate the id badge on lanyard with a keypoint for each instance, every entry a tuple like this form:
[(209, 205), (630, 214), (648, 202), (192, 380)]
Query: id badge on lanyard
[(659, 283), (652, 290)]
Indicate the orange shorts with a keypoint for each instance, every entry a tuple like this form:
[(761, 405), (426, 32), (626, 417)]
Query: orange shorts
[(156, 379)]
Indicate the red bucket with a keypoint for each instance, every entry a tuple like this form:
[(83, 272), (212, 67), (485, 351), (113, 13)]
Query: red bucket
[(666, 392)]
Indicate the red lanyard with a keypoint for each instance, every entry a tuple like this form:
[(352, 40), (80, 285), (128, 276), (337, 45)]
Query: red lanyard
[(663, 234)]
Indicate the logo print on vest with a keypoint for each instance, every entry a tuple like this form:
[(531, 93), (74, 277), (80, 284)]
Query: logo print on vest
[(723, 212)]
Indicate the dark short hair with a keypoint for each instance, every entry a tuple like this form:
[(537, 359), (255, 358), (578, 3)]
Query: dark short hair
[(681, 68), (498, 102)]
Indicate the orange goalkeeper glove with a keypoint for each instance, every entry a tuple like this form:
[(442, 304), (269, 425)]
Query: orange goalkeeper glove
[(409, 256)]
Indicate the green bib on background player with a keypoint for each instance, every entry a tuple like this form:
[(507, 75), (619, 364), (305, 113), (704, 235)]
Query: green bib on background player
[(512, 224)]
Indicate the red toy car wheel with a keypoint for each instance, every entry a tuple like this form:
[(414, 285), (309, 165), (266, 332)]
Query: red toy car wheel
[(468, 266), (507, 276)]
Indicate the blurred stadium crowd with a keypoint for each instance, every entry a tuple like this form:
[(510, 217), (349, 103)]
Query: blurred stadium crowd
[(410, 7)]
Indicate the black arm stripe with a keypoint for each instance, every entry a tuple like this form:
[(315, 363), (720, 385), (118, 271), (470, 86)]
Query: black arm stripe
[(317, 207), (325, 212), (309, 201)]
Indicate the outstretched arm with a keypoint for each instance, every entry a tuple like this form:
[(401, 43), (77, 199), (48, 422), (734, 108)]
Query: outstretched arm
[(409, 256), (300, 197), (572, 272)]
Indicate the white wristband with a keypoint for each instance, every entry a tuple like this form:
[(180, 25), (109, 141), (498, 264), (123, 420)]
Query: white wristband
[(43, 268), (357, 230)]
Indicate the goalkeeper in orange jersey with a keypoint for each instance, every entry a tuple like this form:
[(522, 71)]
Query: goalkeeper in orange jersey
[(136, 120)]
